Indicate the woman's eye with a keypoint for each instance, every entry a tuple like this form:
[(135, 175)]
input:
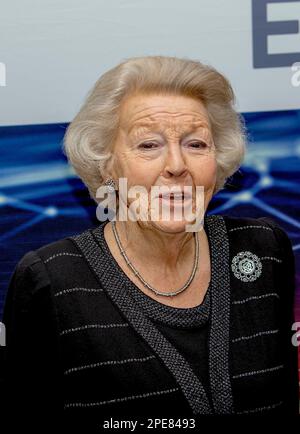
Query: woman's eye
[(148, 145), (198, 145)]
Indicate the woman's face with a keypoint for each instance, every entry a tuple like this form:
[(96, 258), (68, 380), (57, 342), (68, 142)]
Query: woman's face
[(165, 140)]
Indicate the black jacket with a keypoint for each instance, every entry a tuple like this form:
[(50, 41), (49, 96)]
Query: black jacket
[(80, 345)]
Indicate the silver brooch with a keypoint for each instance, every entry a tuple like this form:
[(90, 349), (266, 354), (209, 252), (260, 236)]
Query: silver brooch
[(246, 266)]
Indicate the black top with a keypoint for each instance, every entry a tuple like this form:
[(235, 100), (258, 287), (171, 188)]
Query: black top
[(161, 313), (186, 328), (79, 342)]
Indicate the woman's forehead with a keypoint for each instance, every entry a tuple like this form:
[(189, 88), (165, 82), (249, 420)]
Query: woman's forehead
[(183, 125), (148, 112)]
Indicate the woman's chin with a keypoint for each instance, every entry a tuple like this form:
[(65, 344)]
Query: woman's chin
[(171, 226)]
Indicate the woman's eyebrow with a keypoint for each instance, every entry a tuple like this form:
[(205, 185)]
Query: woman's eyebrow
[(146, 125), (197, 127)]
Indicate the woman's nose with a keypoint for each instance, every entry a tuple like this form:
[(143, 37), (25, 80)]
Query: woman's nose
[(174, 163)]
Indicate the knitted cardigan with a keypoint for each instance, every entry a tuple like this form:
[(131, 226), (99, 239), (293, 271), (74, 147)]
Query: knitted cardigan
[(80, 345)]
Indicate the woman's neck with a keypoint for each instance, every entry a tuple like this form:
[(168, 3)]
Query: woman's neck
[(168, 251)]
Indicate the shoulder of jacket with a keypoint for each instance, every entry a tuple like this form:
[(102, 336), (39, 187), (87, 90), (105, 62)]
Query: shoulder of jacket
[(260, 231), (58, 249), (267, 223), (242, 223), (32, 264)]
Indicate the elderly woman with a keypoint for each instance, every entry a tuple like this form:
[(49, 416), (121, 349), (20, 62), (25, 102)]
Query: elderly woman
[(142, 317)]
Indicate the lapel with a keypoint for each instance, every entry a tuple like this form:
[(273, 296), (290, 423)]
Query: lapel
[(107, 272), (219, 338)]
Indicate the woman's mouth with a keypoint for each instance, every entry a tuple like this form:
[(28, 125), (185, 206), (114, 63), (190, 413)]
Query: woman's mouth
[(175, 197)]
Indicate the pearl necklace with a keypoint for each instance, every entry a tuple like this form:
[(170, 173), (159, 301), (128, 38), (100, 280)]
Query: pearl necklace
[(137, 274)]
